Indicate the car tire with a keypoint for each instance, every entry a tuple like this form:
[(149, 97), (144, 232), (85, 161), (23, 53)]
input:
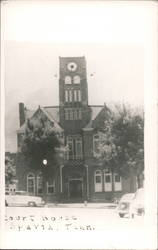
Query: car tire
[(32, 204), (121, 215)]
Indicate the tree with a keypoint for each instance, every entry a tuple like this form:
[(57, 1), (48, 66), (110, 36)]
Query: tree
[(42, 144), (122, 145), (10, 171)]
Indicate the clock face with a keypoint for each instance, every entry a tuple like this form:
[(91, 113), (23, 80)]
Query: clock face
[(72, 66)]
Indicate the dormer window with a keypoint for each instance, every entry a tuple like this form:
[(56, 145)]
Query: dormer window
[(68, 80), (76, 80)]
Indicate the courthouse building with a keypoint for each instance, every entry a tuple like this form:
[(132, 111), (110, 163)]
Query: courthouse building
[(81, 176)]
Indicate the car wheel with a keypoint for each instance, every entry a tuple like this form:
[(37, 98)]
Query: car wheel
[(32, 204), (121, 215)]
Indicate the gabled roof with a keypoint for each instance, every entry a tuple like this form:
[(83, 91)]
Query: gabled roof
[(53, 112), (95, 111), (51, 118)]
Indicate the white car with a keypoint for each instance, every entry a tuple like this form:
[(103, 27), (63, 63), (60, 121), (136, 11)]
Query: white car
[(124, 204), (21, 198), (137, 204)]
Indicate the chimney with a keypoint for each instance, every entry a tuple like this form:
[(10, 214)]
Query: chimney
[(21, 113)]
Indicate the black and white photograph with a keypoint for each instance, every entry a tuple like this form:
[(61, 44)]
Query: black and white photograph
[(78, 125)]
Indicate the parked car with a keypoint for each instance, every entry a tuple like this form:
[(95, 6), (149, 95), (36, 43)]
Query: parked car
[(22, 198), (137, 204), (124, 204)]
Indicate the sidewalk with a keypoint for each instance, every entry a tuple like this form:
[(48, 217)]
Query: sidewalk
[(82, 205)]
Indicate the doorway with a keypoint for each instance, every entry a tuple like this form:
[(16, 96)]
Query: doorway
[(75, 188)]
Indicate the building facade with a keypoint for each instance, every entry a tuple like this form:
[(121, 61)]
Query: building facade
[(81, 176)]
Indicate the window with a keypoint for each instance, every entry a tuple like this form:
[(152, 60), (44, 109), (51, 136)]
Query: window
[(78, 148), (39, 183), (70, 148), (68, 95), (117, 182), (79, 114), (31, 183), (74, 147), (51, 187), (96, 143), (76, 80), (66, 114), (77, 95), (67, 80), (107, 182), (73, 114), (98, 181)]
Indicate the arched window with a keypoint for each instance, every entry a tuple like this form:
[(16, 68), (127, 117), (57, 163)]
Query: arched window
[(67, 80), (76, 80), (31, 183), (107, 181), (98, 181), (39, 183)]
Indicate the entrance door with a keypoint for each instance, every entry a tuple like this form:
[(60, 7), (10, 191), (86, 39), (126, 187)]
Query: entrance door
[(75, 188)]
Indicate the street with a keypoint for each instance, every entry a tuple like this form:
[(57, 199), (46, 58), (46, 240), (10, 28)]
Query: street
[(118, 232)]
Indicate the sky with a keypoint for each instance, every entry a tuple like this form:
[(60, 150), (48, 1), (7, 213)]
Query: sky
[(112, 37)]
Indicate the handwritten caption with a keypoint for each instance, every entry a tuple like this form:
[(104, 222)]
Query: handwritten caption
[(46, 223)]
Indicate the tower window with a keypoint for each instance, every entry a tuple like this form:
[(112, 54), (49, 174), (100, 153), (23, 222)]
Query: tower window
[(68, 80), (73, 114), (76, 80), (68, 95), (77, 95)]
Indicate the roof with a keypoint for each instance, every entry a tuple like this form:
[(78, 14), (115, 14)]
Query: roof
[(51, 118), (52, 113), (95, 110)]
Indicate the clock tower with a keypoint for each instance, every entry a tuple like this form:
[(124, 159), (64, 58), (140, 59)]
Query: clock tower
[(73, 93)]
